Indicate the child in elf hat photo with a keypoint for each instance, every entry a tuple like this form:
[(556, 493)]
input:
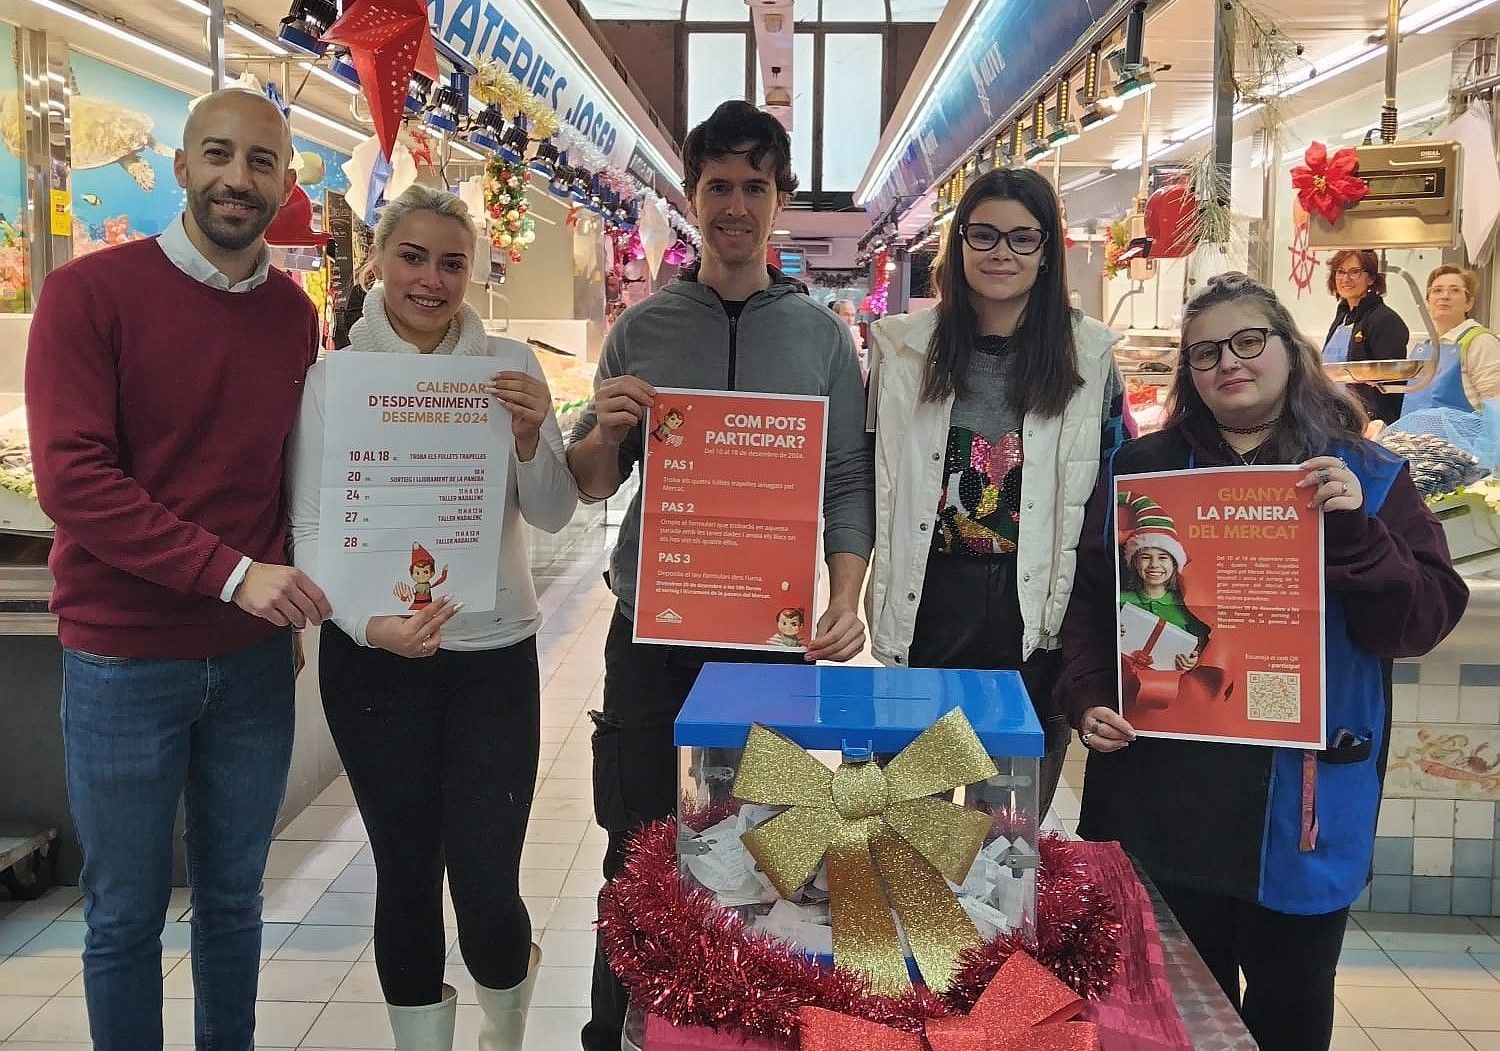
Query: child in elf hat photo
[(1150, 574)]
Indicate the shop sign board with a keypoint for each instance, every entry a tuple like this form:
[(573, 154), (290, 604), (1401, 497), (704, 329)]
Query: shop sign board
[(512, 33), (1002, 58)]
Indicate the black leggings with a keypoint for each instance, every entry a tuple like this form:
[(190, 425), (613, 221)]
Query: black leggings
[(442, 756), (1288, 961)]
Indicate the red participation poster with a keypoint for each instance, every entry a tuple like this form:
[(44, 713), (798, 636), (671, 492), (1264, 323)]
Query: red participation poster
[(731, 519), (1220, 606)]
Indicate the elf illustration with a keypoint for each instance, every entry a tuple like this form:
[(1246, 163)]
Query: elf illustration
[(670, 424), (423, 568), (788, 628)]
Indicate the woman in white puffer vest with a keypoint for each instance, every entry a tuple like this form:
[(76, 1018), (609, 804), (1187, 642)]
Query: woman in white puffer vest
[(991, 411)]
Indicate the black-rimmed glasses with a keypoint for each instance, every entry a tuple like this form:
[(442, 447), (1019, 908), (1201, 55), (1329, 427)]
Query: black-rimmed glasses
[(1023, 240), (1245, 344)]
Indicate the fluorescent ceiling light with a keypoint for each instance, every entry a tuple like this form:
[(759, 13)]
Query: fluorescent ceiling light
[(69, 11), (318, 118), (1441, 15), (327, 77)]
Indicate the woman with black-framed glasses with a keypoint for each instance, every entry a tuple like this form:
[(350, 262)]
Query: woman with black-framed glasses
[(1260, 851), (1364, 327), (991, 411)]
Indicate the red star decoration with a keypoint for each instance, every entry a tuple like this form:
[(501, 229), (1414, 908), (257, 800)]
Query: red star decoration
[(388, 39)]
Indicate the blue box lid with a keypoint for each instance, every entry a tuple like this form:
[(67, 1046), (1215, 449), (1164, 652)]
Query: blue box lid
[(825, 708)]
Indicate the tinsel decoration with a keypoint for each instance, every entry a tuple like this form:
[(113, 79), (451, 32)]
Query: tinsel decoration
[(686, 958), (507, 211)]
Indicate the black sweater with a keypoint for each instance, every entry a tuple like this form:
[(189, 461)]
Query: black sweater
[(1379, 335)]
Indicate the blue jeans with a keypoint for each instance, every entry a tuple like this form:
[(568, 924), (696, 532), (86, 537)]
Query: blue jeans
[(139, 735)]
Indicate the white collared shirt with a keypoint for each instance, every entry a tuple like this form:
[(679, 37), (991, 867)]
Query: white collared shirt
[(184, 255)]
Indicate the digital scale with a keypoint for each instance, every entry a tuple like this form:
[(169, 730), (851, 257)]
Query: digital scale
[(1412, 203)]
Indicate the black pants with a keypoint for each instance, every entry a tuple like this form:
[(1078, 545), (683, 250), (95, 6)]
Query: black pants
[(1288, 962), (970, 617), (635, 768), (442, 756)]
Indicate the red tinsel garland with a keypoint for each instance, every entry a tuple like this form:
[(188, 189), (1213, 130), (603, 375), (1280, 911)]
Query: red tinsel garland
[(685, 957)]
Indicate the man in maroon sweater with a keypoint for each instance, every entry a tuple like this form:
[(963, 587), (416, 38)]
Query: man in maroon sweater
[(162, 380)]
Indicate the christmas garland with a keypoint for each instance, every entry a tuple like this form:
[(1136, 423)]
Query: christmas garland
[(690, 960), (512, 227)]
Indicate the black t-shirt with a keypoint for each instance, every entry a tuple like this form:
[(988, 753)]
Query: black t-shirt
[(733, 308)]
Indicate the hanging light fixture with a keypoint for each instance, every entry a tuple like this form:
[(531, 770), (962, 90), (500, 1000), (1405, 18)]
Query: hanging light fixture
[(1036, 134), (342, 66), (418, 91), (515, 143), (305, 23), (559, 185), (1132, 71), (486, 128), (546, 159), (1097, 109), (1064, 128), (581, 185), (450, 104)]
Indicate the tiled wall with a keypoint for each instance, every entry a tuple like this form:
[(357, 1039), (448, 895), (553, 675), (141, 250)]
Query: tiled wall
[(1437, 845)]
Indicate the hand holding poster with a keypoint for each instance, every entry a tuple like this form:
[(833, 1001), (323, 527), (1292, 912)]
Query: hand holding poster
[(416, 459), (731, 513), (1221, 606)]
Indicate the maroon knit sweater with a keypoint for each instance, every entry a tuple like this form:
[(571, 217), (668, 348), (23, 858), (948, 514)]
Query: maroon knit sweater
[(159, 410)]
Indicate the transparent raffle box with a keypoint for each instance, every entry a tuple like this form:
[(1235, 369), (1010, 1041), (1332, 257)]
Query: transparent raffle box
[(844, 715)]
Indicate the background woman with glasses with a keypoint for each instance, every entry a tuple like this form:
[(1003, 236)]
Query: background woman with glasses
[(1364, 328), (1221, 828), (991, 410)]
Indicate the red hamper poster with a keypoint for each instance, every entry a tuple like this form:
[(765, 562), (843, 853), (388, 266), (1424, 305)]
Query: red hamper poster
[(731, 520), (1220, 606)]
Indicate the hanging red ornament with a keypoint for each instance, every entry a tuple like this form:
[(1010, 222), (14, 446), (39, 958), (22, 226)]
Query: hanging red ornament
[(293, 223), (1327, 185), (388, 39), (1172, 220)]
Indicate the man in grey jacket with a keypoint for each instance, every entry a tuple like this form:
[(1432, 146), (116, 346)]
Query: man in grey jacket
[(735, 324)]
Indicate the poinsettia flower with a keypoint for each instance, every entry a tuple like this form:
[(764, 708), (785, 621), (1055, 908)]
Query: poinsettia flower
[(1326, 186)]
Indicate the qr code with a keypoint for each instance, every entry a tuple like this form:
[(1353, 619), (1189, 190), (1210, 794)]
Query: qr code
[(1274, 696)]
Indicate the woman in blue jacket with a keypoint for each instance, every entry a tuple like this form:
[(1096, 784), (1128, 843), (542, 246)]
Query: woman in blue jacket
[(1260, 851)]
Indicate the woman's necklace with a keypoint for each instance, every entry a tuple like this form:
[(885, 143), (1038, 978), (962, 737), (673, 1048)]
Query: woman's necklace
[(1250, 459), (1257, 429)]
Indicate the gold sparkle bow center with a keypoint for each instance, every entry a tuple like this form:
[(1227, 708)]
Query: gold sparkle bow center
[(887, 841)]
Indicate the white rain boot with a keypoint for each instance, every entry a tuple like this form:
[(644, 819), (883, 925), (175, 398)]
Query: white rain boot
[(505, 1010), (426, 1028)]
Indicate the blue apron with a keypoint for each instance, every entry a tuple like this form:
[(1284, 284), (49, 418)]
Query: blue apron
[(1446, 391), (1336, 350)]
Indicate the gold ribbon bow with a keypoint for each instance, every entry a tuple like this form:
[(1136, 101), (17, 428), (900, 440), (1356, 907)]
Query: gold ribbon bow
[(864, 821)]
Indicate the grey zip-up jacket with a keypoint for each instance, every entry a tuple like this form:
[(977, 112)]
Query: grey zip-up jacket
[(783, 343)]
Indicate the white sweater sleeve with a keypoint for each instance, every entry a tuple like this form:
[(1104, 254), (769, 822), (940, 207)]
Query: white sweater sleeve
[(304, 484), (545, 486)]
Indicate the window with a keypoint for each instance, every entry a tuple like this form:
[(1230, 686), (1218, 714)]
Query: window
[(916, 11), (716, 72), (718, 11), (803, 159), (851, 106), (854, 10)]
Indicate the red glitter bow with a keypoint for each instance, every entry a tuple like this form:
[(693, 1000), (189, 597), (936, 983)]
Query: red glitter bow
[(1025, 1008), (1326, 186), (388, 39)]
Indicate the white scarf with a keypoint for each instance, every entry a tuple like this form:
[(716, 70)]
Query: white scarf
[(373, 331)]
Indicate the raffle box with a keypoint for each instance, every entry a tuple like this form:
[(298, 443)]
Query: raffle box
[(843, 718)]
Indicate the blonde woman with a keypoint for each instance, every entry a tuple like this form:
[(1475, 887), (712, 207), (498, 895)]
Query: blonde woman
[(436, 715)]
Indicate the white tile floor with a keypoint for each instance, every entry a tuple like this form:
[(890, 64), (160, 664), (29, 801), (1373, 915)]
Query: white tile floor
[(1418, 983)]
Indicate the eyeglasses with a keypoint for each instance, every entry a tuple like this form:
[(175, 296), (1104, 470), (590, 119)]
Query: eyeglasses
[(1351, 274), (1245, 344), (1023, 240)]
